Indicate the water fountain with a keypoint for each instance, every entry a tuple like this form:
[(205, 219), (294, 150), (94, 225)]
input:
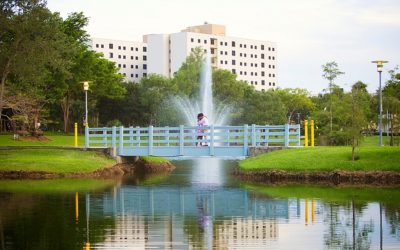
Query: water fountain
[(205, 103)]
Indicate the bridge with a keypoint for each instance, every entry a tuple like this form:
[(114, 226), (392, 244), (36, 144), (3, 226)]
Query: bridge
[(183, 140)]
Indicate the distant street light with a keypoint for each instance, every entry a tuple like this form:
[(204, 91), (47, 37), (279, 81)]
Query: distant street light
[(86, 88), (379, 64)]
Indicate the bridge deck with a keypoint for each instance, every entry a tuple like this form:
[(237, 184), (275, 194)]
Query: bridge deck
[(183, 140)]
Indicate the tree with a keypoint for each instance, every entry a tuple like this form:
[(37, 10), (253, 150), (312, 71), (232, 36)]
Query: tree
[(391, 100), (295, 100), (331, 72), (30, 41)]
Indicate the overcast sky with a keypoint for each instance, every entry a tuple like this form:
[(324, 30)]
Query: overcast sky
[(308, 33)]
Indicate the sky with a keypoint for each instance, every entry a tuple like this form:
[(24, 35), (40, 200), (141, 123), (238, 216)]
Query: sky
[(308, 33)]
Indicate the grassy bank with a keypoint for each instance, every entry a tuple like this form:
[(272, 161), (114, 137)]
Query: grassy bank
[(53, 160), (320, 159), (48, 140)]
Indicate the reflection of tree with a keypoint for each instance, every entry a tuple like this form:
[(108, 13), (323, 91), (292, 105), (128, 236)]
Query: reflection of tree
[(345, 230), (392, 214), (50, 224)]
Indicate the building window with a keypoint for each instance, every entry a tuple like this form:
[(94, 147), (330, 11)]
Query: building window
[(255, 65), (245, 73), (97, 45), (270, 84), (251, 46), (262, 65), (205, 41), (255, 46), (205, 51), (234, 71), (119, 65), (240, 45), (226, 53), (119, 47), (119, 56), (255, 56), (233, 53), (144, 58), (221, 52), (124, 74), (124, 57), (212, 41), (136, 49), (240, 64), (102, 46), (233, 44), (198, 40), (273, 49), (244, 46), (273, 75), (191, 39), (124, 48), (240, 54), (273, 66), (111, 55), (251, 82), (221, 43), (262, 46), (192, 49), (269, 57), (244, 54), (269, 48), (255, 82), (124, 66), (262, 73), (273, 58), (251, 64), (226, 62), (245, 64), (251, 55), (144, 74), (240, 73), (131, 66), (222, 62), (131, 75), (136, 58), (136, 75), (131, 48), (269, 75), (212, 51), (233, 62), (273, 84), (251, 73), (269, 66), (144, 66), (136, 66), (262, 56), (144, 49), (110, 46), (226, 43)]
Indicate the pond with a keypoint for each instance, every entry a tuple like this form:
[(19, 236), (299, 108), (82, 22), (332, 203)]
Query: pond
[(197, 206)]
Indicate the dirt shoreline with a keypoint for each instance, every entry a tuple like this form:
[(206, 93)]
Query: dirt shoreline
[(114, 171), (377, 178)]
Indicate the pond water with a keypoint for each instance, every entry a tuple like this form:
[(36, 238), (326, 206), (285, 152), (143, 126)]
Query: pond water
[(197, 206)]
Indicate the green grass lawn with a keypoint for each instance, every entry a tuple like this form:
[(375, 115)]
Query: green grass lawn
[(326, 159), (54, 140), (53, 186), (53, 160)]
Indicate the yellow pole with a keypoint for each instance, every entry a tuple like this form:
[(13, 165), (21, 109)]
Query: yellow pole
[(312, 132), (87, 246), (76, 135), (306, 211), (306, 133), (76, 207), (312, 210)]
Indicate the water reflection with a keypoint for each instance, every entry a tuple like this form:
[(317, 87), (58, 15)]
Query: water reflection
[(178, 211)]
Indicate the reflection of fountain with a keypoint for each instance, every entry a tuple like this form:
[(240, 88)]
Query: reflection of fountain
[(205, 104)]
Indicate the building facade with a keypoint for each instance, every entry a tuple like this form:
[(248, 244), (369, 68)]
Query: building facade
[(129, 57), (252, 61)]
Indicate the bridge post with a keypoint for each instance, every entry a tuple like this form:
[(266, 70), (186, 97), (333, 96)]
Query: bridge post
[(121, 140), (86, 137), (298, 134), (150, 140), (113, 141), (181, 139), (212, 140), (105, 136), (253, 135), (286, 135), (245, 138)]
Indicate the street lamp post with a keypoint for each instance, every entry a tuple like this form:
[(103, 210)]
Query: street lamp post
[(379, 64), (86, 88)]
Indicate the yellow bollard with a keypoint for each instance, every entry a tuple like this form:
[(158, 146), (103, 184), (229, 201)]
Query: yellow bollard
[(76, 208), (306, 211), (87, 246), (312, 132), (306, 133), (76, 135)]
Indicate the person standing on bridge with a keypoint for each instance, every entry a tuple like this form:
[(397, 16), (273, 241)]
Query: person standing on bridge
[(201, 122)]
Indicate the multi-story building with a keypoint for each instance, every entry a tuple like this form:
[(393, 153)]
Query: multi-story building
[(252, 61), (129, 57)]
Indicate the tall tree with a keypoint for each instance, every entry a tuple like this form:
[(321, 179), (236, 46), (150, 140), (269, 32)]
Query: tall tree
[(331, 72), (295, 100)]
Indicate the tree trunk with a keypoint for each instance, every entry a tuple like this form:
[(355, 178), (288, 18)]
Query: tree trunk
[(65, 106), (353, 149), (4, 75), (391, 131)]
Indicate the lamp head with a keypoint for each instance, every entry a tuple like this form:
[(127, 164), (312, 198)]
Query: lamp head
[(85, 85), (379, 64)]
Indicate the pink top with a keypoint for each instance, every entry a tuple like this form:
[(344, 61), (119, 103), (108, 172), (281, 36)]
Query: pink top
[(201, 123)]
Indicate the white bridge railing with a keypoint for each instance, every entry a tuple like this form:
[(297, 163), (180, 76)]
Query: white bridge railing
[(184, 140)]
